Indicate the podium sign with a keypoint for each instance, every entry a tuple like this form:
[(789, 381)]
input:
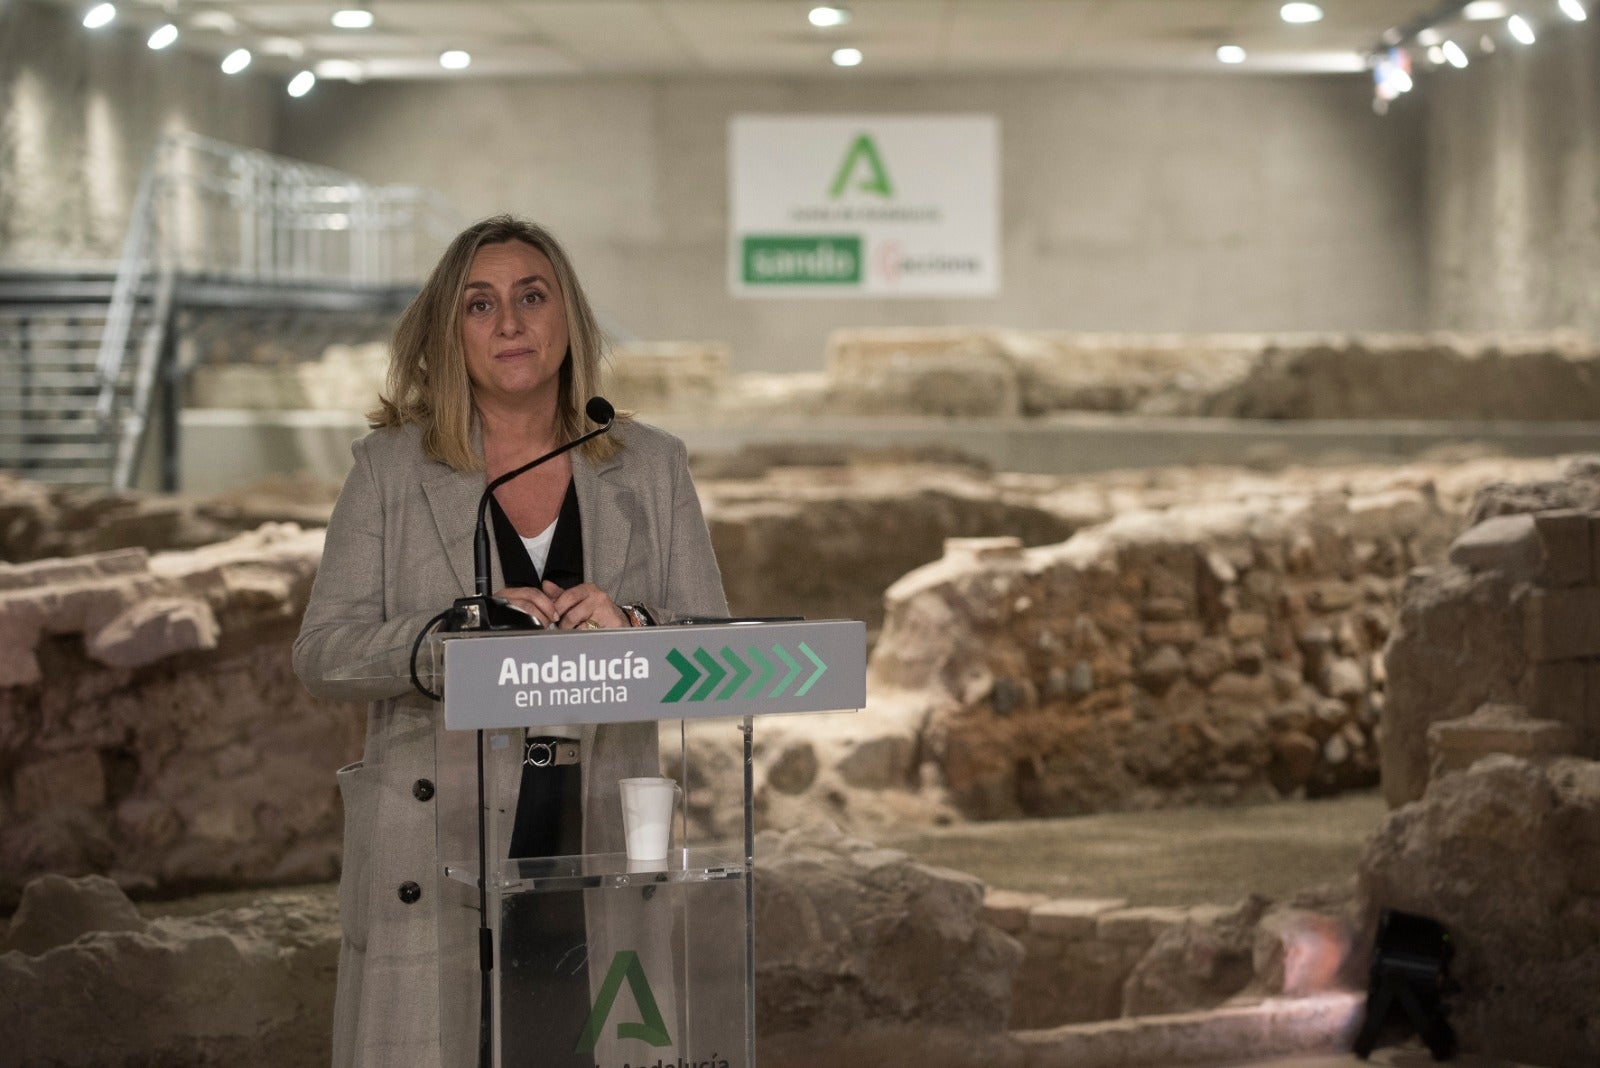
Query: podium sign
[(653, 673), (599, 961)]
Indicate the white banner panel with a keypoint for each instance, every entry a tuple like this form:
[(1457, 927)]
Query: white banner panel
[(864, 205)]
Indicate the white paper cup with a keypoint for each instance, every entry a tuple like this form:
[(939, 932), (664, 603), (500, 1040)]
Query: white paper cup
[(647, 806)]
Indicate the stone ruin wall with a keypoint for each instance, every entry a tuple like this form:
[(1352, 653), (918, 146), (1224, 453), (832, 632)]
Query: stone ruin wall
[(1492, 755), (841, 969), (183, 753), (151, 726), (1006, 374), (1201, 653)]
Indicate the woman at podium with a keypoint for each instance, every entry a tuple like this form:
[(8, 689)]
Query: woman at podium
[(491, 365)]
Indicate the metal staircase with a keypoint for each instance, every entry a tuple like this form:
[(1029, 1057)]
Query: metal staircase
[(85, 356), (50, 330)]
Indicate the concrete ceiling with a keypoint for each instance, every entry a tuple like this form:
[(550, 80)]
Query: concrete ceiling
[(651, 37)]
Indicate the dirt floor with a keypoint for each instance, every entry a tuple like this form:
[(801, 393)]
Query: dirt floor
[(1185, 856)]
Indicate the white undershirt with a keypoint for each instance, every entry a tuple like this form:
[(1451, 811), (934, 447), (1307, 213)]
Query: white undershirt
[(538, 548)]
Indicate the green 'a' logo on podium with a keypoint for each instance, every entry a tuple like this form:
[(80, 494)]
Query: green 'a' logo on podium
[(652, 1029)]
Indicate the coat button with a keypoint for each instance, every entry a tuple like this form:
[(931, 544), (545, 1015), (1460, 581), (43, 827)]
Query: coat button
[(410, 893), (422, 790)]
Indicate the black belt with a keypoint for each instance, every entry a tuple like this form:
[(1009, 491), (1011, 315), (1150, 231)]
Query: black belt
[(546, 752)]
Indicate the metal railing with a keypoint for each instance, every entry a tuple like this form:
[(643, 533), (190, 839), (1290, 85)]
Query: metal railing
[(243, 216)]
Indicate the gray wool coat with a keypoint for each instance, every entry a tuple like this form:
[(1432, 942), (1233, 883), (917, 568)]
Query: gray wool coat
[(399, 550)]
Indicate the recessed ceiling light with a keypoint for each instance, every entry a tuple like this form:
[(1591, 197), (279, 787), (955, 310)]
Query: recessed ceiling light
[(301, 83), (218, 21), (1429, 37), (828, 16), (1520, 29), (1300, 13), (1574, 10), (236, 61), (1231, 54), (1453, 53), (287, 47), (99, 15), (1484, 10), (352, 18), (343, 70), (847, 57), (162, 37), (455, 59), (1436, 56)]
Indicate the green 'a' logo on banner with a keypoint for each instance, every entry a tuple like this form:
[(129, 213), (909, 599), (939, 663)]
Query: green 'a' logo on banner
[(652, 1029), (863, 153)]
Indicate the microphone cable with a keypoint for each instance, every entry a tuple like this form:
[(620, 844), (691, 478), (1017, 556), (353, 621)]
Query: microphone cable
[(416, 647)]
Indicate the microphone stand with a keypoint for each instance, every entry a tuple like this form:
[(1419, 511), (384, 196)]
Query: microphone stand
[(483, 612)]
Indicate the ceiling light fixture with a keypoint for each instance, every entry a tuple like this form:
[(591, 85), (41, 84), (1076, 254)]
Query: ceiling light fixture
[(162, 37), (847, 57), (828, 17), (1484, 11), (1300, 13), (301, 83), (287, 47), (236, 61), (339, 70), (1574, 10), (1486, 45), (218, 21), (352, 18), (1231, 54), (99, 15), (1436, 56), (455, 59), (1453, 52), (1520, 29), (1429, 37)]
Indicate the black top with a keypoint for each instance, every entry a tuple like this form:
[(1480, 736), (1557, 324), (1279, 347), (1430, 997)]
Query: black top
[(563, 565)]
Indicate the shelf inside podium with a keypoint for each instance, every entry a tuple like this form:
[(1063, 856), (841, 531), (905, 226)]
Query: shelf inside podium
[(541, 875)]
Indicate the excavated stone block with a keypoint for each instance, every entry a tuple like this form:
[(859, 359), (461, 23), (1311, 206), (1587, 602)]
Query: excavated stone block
[(1071, 918), (55, 910), (1141, 924), (1243, 626), (1564, 540), (1503, 854), (161, 627), (1507, 543), (1460, 743), (66, 780), (58, 571), (1558, 691), (1009, 910), (1563, 624)]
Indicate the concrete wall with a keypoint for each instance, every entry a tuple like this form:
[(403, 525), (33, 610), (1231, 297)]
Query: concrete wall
[(1513, 160), (1148, 203), (79, 114)]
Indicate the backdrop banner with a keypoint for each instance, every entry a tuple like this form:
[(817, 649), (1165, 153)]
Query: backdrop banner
[(864, 205)]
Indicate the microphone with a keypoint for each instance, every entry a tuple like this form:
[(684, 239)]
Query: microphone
[(481, 611)]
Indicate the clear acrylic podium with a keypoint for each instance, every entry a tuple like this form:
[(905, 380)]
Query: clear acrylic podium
[(598, 961)]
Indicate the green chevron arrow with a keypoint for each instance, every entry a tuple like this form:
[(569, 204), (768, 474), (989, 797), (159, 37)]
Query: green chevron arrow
[(688, 672), (741, 671), (767, 668), (794, 671), (715, 673), (821, 667)]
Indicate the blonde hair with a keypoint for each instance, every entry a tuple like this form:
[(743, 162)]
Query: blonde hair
[(427, 380)]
